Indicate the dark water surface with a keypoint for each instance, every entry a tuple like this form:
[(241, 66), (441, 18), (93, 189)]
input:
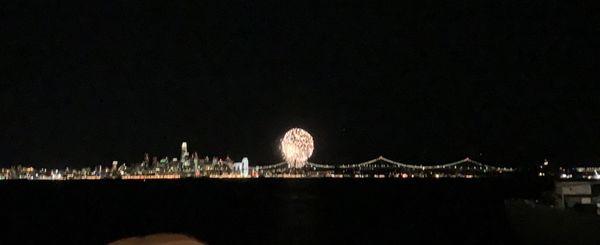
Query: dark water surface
[(261, 211)]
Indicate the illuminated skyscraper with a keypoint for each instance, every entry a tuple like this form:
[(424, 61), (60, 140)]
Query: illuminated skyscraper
[(146, 160), (196, 158), (245, 167), (241, 168), (184, 155)]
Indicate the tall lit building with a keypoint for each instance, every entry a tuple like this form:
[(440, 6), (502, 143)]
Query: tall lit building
[(245, 167), (184, 155), (242, 167), (114, 165), (146, 160), (195, 158)]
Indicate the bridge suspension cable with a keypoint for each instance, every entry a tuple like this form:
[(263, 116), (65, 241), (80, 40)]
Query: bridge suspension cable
[(316, 165), (272, 166), (396, 163)]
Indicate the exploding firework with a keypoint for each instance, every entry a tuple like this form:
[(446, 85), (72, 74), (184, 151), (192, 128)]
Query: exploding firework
[(296, 147)]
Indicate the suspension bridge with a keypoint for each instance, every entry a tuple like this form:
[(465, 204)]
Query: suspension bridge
[(383, 164)]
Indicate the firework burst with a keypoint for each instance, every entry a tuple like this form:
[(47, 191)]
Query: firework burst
[(296, 147)]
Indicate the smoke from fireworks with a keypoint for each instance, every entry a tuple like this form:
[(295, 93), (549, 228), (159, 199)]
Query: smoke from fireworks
[(296, 147)]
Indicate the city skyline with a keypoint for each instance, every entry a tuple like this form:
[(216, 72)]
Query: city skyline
[(278, 158), (296, 147), (292, 166), (185, 154)]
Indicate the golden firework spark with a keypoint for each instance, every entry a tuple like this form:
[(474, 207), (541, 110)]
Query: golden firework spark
[(296, 147)]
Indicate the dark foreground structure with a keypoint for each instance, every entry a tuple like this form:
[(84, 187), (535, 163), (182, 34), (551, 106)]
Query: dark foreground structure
[(264, 211)]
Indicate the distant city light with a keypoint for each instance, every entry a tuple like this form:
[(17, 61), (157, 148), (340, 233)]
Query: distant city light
[(296, 146)]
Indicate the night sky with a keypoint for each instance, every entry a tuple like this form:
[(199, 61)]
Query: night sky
[(84, 83)]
